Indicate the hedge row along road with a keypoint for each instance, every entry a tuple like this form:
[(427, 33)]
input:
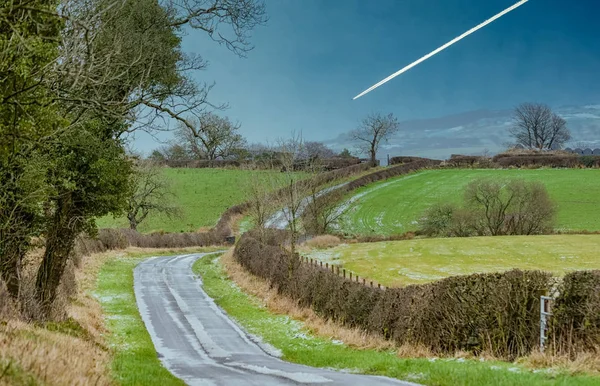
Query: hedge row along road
[(396, 205), (198, 343)]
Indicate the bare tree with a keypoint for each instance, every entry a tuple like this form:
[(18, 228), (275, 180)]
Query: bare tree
[(213, 137), (314, 149), (260, 194), (374, 129), (174, 152), (292, 197), (325, 209), (537, 127), (150, 195)]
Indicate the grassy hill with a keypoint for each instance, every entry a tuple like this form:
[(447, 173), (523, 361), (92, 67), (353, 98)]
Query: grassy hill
[(396, 205), (397, 263), (202, 194)]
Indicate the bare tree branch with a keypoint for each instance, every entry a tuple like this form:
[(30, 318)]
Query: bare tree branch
[(374, 129)]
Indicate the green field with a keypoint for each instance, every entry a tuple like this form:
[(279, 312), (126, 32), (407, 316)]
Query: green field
[(398, 263), (396, 205), (202, 194)]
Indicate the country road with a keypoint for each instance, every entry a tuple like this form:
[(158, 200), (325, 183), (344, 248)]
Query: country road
[(281, 218), (198, 343)]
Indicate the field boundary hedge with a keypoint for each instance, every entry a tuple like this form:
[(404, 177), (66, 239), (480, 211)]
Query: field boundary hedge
[(496, 313), (389, 172), (109, 238), (224, 224), (326, 163)]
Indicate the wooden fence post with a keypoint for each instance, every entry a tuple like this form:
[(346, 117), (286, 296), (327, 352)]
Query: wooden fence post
[(344, 272), (378, 285), (371, 284), (350, 275)]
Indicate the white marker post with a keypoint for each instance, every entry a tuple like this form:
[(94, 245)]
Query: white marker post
[(451, 42)]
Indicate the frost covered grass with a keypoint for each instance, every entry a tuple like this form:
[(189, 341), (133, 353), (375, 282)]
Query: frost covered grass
[(396, 205), (397, 263), (134, 359), (299, 342)]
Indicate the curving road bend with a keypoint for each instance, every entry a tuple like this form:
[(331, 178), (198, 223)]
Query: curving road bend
[(281, 218), (198, 343)]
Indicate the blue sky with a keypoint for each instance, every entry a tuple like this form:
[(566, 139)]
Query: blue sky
[(313, 56)]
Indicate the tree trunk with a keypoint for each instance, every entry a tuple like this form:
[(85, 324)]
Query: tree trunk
[(14, 244), (373, 157), (59, 244), (10, 258), (132, 223)]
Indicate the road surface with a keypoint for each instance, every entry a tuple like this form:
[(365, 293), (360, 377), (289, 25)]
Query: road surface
[(198, 343), (281, 218)]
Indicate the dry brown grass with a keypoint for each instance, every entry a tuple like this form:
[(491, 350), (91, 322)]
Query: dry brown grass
[(59, 358), (322, 242), (78, 356), (587, 362), (283, 305), (51, 357)]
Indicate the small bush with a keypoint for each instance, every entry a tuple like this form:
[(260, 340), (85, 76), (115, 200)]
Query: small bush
[(589, 161), (323, 241), (493, 207), (465, 223), (438, 219), (515, 207)]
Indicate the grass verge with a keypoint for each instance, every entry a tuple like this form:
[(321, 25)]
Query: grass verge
[(134, 360), (298, 344)]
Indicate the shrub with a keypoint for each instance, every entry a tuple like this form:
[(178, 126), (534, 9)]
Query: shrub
[(404, 160), (589, 161), (323, 241), (465, 223), (515, 207), (537, 160), (575, 325), (438, 219), (531, 211), (457, 160)]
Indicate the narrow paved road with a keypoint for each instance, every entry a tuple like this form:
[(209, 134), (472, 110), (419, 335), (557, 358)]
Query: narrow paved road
[(198, 343), (281, 218)]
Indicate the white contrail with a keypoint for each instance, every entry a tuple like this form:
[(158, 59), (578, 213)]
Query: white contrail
[(451, 42)]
